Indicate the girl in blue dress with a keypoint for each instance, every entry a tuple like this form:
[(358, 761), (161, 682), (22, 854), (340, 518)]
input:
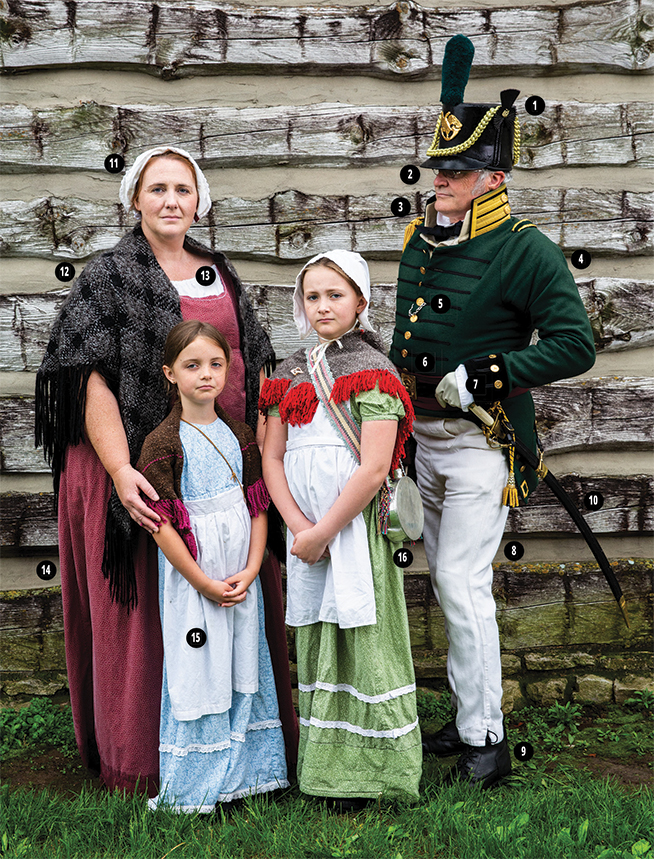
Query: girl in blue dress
[(220, 733)]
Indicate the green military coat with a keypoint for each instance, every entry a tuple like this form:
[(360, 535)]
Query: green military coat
[(502, 283)]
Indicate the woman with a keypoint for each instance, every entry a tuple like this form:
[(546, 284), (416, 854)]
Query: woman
[(99, 392)]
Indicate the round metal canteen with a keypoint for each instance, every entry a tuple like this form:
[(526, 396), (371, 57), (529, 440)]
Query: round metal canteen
[(406, 517)]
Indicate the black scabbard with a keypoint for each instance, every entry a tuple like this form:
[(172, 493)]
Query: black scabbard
[(593, 544)]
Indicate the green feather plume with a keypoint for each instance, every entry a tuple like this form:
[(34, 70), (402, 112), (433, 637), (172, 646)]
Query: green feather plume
[(459, 52)]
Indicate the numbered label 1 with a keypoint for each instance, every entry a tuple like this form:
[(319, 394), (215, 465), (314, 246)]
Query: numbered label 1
[(535, 105), (196, 637), (476, 384), (514, 550), (593, 500), (425, 362), (580, 258), (205, 275), (114, 163), (524, 751), (403, 557), (409, 174), (400, 207), (65, 272), (440, 304), (46, 570)]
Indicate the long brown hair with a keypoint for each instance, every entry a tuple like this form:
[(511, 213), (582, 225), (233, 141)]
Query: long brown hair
[(182, 335)]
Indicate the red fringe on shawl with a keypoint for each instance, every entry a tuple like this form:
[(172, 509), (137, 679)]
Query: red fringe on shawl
[(176, 512), (365, 380), (258, 497), (272, 392), (299, 405)]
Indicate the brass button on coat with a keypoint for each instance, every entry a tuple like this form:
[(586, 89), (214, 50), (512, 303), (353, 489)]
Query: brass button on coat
[(404, 353), (422, 269), (497, 384), (495, 368), (407, 335)]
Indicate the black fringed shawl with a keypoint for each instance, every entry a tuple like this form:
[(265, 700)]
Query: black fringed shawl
[(115, 321)]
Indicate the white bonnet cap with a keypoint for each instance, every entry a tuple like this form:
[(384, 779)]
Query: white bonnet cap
[(355, 267), (128, 185)]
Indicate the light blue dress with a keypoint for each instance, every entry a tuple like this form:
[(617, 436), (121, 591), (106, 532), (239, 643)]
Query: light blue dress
[(220, 734)]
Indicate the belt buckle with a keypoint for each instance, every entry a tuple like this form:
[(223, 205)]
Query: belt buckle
[(409, 382)]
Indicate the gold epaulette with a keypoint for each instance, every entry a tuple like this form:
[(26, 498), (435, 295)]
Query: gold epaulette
[(522, 225), (410, 230), (489, 211)]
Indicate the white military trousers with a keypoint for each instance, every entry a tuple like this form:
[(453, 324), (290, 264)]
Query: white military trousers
[(461, 480)]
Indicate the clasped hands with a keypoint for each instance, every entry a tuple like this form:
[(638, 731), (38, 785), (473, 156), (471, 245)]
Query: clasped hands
[(230, 591), (310, 544)]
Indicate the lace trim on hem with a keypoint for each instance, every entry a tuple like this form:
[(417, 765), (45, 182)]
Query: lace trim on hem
[(183, 751), (391, 734), (346, 687)]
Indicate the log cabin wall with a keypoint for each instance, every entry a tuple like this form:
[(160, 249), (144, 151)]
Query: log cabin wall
[(302, 117)]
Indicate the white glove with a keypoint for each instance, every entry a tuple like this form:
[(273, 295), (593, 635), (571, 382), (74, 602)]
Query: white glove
[(447, 392), (452, 390)]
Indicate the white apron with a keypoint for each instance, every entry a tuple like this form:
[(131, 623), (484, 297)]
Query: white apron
[(201, 679), (339, 589)]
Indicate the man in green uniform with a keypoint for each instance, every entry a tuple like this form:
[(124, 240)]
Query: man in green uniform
[(474, 283)]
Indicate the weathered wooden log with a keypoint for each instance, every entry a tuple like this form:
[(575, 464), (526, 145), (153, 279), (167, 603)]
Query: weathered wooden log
[(595, 414), (294, 226), (81, 137), (626, 508), (403, 39), (621, 312), (580, 414), (29, 520)]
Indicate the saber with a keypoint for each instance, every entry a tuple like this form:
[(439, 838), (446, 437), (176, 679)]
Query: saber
[(503, 430)]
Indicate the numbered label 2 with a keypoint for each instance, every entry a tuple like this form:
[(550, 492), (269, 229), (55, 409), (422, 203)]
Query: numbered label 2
[(409, 174), (403, 557), (196, 637)]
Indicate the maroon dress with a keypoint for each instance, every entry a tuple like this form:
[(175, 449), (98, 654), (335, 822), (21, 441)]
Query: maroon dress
[(115, 691)]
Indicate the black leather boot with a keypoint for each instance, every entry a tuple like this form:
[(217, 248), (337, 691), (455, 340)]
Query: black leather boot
[(484, 765), (444, 742)]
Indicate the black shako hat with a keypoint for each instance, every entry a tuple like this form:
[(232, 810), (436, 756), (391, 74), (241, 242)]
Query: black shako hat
[(472, 136)]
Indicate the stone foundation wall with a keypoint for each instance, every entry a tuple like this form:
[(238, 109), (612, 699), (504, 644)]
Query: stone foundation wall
[(562, 635)]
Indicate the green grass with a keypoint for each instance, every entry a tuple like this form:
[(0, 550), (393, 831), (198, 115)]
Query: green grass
[(567, 816), (550, 808)]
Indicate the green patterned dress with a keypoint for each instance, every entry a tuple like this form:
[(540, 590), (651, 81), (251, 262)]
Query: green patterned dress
[(359, 734)]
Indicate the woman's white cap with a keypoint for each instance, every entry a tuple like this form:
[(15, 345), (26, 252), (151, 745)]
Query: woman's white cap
[(355, 267), (128, 185)]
